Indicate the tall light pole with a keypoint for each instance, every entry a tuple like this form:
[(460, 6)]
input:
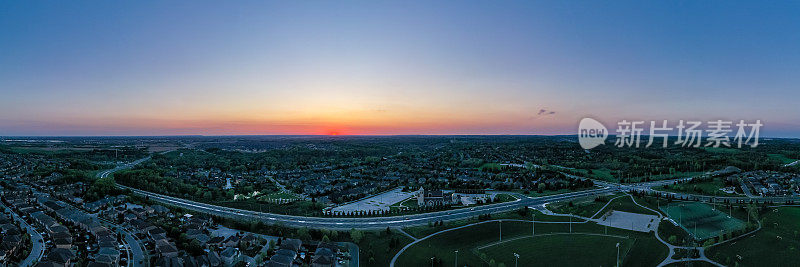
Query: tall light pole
[(456, 258), (533, 224), (617, 254), (501, 230), (516, 259), (570, 223)]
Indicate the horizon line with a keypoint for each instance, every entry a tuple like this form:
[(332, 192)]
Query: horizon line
[(331, 135)]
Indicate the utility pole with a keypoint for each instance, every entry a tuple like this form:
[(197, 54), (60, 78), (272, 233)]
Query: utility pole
[(501, 230), (533, 224)]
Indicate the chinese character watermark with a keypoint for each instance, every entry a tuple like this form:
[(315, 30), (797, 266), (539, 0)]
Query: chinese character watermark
[(719, 133)]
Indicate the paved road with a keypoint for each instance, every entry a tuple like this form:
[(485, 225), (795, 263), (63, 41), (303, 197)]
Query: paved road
[(362, 223), (37, 251), (104, 174), (132, 245), (137, 254), (409, 220), (350, 223)]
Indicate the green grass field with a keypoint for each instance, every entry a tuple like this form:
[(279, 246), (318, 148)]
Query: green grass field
[(375, 248), (626, 204), (645, 251), (781, 157), (585, 207), (701, 220), (409, 203), (560, 250), (776, 244), (709, 188)]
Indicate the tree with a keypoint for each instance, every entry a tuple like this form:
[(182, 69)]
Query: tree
[(303, 234), (356, 235), (326, 239), (672, 239)]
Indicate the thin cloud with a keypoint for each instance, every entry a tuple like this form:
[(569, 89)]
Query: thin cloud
[(544, 112)]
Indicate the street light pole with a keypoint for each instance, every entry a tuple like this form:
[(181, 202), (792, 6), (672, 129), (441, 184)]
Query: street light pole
[(533, 224), (617, 254), (516, 259), (501, 230), (456, 258)]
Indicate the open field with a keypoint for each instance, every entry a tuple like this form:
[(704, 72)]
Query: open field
[(644, 251), (776, 244), (584, 207), (701, 220), (710, 188), (626, 204), (560, 250)]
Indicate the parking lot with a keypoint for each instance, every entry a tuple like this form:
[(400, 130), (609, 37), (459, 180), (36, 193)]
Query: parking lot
[(375, 203)]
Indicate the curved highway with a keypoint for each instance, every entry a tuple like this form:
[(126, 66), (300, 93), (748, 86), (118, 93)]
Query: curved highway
[(364, 222), (407, 220)]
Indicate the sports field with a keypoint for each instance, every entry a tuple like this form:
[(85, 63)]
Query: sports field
[(560, 250), (701, 220), (554, 245)]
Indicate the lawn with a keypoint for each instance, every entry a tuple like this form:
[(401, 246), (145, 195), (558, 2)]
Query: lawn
[(667, 230), (585, 207), (504, 198), (645, 251), (604, 174), (560, 250), (701, 220), (709, 188), (626, 204), (422, 231), (376, 249), (776, 244), (409, 203)]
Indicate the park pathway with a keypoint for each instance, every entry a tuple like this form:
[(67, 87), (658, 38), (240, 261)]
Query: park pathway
[(406, 234), (540, 208), (672, 248)]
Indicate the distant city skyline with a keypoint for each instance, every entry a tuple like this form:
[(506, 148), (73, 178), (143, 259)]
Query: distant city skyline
[(150, 68)]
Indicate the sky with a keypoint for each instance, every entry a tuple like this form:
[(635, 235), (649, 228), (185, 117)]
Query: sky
[(392, 67)]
